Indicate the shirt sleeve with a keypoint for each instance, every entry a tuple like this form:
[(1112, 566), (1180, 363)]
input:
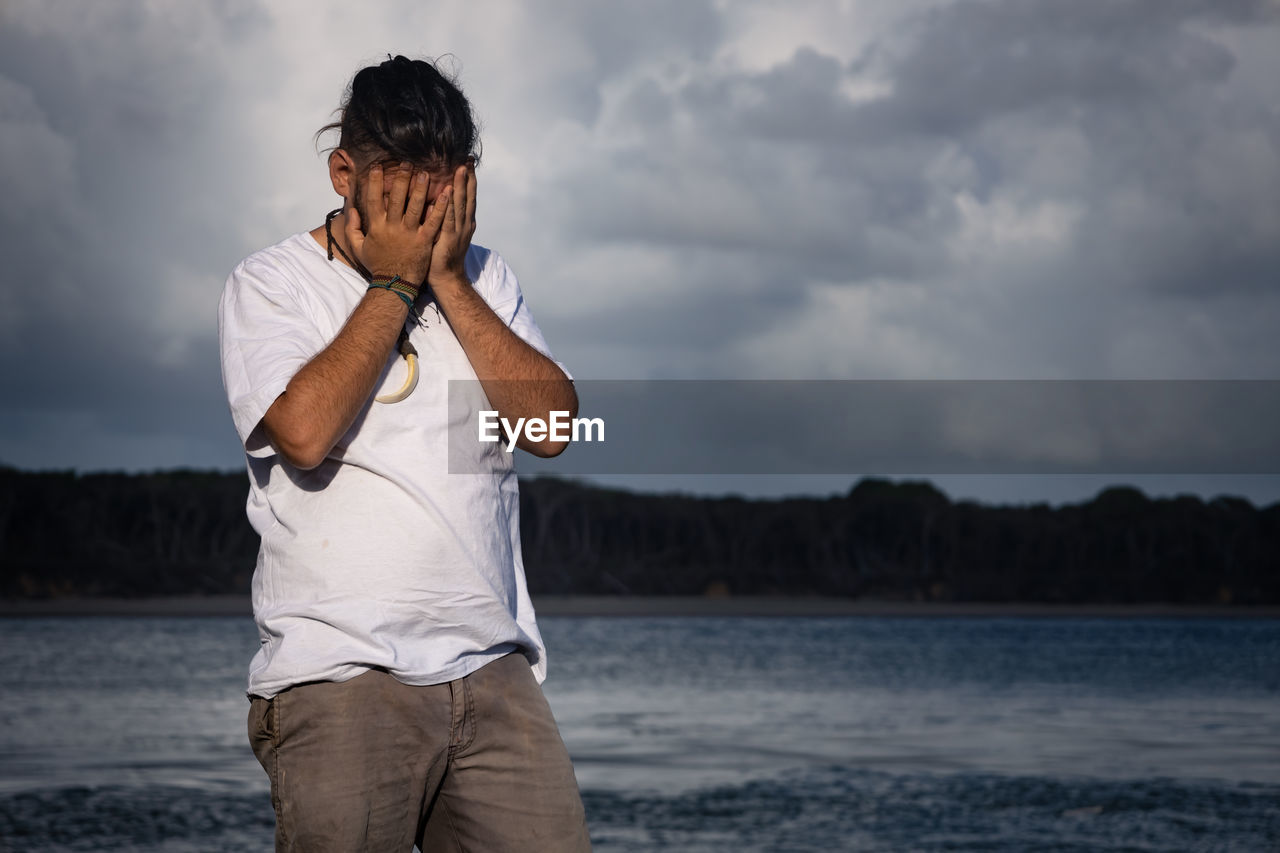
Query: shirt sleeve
[(265, 335), (502, 291)]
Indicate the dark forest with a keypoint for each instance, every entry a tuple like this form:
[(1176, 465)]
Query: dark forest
[(184, 532)]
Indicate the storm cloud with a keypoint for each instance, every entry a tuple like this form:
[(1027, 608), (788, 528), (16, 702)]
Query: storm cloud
[(977, 189)]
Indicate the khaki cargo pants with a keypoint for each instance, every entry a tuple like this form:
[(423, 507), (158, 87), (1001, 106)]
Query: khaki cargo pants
[(476, 764)]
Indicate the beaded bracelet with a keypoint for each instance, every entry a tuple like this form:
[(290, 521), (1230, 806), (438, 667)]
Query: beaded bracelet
[(407, 291)]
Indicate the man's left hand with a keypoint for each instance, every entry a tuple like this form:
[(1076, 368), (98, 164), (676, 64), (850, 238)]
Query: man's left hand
[(448, 256)]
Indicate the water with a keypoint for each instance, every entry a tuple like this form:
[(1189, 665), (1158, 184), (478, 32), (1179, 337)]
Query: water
[(704, 734)]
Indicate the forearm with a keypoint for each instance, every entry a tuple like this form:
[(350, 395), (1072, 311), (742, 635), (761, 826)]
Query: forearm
[(323, 399), (519, 381)]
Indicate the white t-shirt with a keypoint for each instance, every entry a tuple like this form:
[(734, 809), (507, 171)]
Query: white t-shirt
[(378, 557)]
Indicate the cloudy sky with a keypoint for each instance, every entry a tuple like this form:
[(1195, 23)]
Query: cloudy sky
[(887, 189)]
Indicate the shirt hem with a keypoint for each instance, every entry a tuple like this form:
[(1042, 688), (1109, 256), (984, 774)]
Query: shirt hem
[(459, 669)]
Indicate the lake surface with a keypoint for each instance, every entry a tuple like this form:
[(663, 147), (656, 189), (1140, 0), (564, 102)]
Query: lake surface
[(710, 734)]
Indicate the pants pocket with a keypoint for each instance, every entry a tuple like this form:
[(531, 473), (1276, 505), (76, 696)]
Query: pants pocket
[(264, 738), (262, 727)]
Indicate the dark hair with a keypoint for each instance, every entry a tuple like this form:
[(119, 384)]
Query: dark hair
[(406, 109)]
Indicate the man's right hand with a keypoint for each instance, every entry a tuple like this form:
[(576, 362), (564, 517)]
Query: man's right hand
[(324, 397), (396, 240)]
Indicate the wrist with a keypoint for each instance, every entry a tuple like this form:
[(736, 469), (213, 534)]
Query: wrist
[(406, 290), (451, 282), (390, 276)]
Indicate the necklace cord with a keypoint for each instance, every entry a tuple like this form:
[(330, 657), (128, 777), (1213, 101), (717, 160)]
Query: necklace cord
[(332, 244)]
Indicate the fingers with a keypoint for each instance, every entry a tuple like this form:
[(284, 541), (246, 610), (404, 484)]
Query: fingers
[(446, 200), (458, 201), (355, 235), (399, 190), (417, 200), (471, 198), (436, 214), (377, 207)]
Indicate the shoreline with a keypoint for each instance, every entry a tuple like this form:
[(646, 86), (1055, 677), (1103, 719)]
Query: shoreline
[(653, 606)]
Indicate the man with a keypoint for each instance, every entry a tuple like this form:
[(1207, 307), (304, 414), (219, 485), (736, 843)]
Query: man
[(395, 697)]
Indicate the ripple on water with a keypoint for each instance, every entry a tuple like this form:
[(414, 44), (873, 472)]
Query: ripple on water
[(828, 808)]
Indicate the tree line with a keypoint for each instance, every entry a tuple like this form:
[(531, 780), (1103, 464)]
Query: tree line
[(185, 532)]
